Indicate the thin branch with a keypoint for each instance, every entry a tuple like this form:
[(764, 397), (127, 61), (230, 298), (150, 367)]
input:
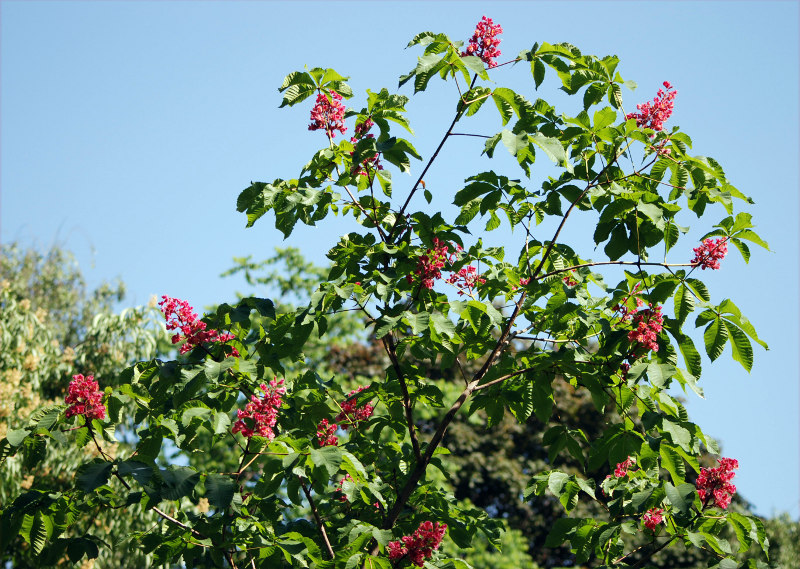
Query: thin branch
[(391, 351), (597, 264), (414, 189), (467, 134), (320, 523), (502, 379)]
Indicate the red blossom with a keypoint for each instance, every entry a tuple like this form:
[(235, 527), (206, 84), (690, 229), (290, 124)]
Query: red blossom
[(484, 42), (430, 265), (653, 115), (652, 518), (260, 414), (622, 468), (466, 280), (328, 114), (710, 253), (714, 484), (351, 414), (180, 316), (420, 546), (85, 398), (326, 434), (569, 280), (647, 324)]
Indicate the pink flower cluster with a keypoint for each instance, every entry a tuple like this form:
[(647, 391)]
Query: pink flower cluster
[(351, 414), (373, 163), (179, 316), (647, 324), (260, 415), (466, 279), (328, 114), (326, 434), (420, 546), (652, 518), (714, 484), (622, 468), (653, 115), (430, 265), (710, 253), (84, 398), (484, 42)]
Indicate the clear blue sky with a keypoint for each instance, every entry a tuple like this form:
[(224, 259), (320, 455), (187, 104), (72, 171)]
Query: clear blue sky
[(129, 128)]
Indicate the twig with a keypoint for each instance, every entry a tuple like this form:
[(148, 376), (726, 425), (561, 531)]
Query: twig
[(391, 351), (320, 524)]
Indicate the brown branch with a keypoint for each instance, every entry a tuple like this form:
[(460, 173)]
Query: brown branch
[(414, 189), (317, 518), (502, 379), (631, 263)]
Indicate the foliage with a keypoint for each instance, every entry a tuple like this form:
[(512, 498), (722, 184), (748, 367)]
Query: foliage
[(51, 327), (527, 317)]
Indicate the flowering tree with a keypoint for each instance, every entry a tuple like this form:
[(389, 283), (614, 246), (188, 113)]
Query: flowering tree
[(334, 475)]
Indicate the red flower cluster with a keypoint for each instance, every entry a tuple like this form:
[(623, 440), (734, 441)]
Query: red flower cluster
[(466, 280), (622, 468), (710, 253), (653, 115), (483, 42), (326, 434), (714, 484), (328, 114), (351, 414), (84, 398), (260, 415), (652, 518), (648, 323), (179, 316), (569, 280), (420, 546), (430, 265)]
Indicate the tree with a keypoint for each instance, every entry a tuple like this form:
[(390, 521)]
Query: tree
[(52, 327), (307, 470)]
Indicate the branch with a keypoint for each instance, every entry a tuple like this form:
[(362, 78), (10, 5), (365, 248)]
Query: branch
[(633, 263), (320, 524), (414, 189), (502, 379), (391, 351)]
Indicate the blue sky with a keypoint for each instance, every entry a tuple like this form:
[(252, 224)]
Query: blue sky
[(127, 130)]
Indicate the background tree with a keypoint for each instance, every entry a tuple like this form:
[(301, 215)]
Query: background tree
[(53, 327)]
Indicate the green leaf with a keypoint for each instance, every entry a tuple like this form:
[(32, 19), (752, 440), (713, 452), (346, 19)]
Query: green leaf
[(681, 497), (672, 462), (562, 529), (178, 481), (742, 348), (715, 337), (93, 475), (328, 458), (16, 437), (220, 490), (140, 471), (553, 148), (684, 303)]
